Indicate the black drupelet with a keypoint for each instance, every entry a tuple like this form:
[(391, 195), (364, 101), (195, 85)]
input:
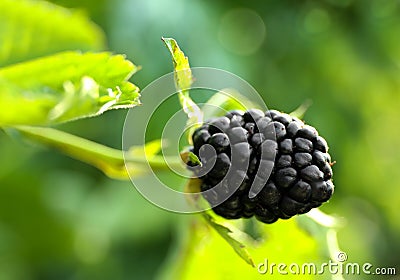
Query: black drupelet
[(269, 165)]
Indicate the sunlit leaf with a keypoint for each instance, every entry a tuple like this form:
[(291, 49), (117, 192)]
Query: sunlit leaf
[(225, 233), (226, 100), (64, 87), (206, 253), (190, 156), (183, 81), (30, 29), (301, 110), (182, 71)]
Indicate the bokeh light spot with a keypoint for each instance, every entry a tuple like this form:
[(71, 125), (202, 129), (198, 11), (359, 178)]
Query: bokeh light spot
[(242, 31)]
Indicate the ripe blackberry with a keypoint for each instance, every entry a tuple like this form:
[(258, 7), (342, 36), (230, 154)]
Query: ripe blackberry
[(268, 165)]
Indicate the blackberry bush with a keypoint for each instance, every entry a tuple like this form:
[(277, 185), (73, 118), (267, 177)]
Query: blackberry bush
[(268, 165)]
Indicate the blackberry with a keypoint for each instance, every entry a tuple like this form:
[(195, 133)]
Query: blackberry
[(268, 165)]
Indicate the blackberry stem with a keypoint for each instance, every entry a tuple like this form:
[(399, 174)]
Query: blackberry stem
[(109, 160)]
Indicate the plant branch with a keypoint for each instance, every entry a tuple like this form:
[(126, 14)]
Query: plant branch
[(110, 161)]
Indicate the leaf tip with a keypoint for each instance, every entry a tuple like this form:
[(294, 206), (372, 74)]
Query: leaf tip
[(300, 111)]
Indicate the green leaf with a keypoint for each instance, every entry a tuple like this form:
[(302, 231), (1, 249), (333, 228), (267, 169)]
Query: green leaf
[(190, 156), (301, 110), (64, 87), (193, 158), (112, 162), (226, 100), (281, 242), (225, 233), (183, 81), (183, 74), (30, 29), (302, 240)]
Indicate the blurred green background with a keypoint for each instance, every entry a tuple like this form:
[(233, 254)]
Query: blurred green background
[(63, 219)]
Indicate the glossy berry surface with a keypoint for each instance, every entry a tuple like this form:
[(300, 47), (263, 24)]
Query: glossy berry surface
[(268, 165)]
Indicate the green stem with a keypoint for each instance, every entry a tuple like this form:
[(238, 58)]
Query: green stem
[(110, 161)]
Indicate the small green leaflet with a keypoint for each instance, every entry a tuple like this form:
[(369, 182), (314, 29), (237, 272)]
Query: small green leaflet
[(225, 233), (64, 87), (187, 156), (183, 82), (302, 109), (226, 100), (193, 158), (183, 74), (193, 187)]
